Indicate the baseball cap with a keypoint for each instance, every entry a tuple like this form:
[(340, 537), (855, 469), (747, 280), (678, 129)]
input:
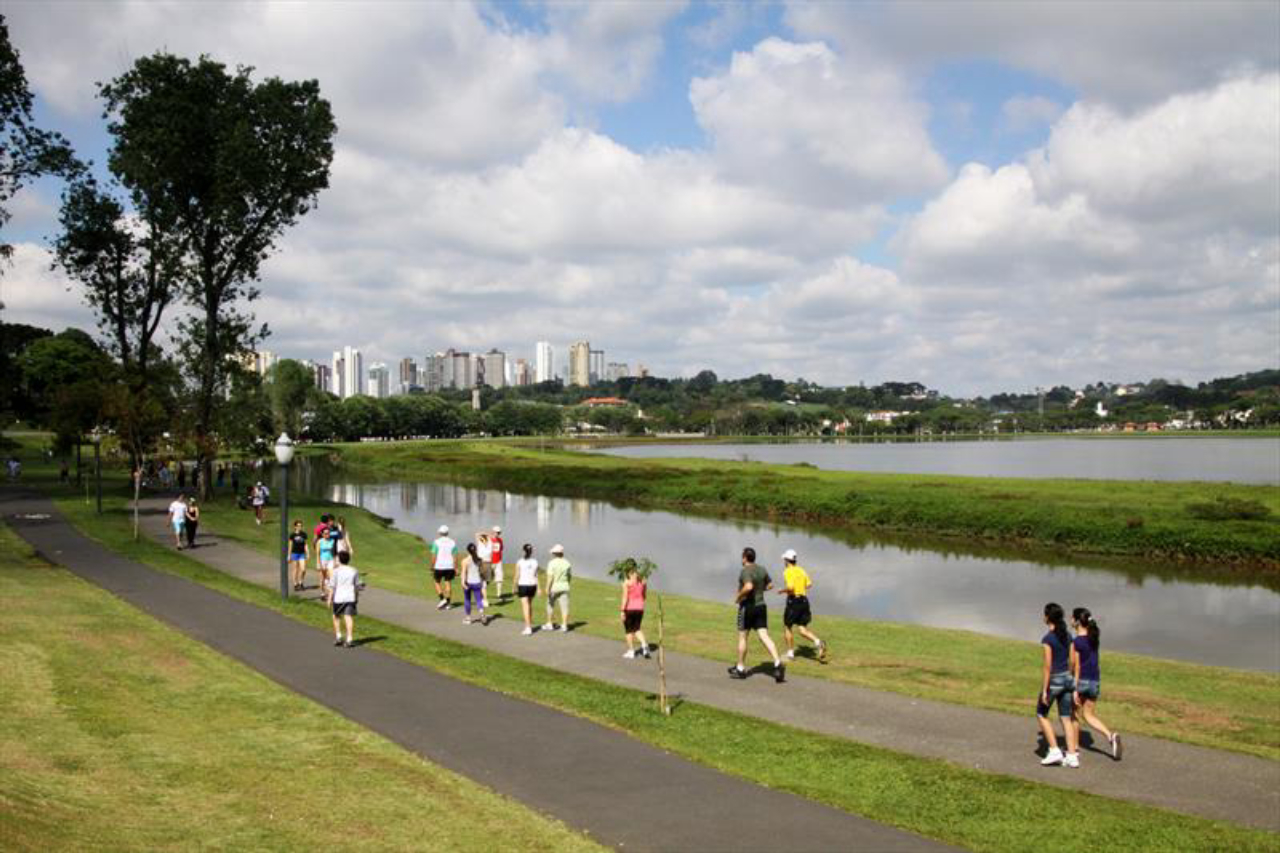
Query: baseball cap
[(789, 554), (444, 528), (497, 529), (557, 549)]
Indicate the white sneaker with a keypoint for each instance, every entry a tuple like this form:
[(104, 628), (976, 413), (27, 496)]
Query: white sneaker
[(1072, 759), (564, 629), (466, 620), (628, 655), (791, 655), (441, 604), (1054, 757), (549, 627), (1117, 748), (526, 632)]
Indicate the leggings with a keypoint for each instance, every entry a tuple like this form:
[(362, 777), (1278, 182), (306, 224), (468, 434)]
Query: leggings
[(472, 591)]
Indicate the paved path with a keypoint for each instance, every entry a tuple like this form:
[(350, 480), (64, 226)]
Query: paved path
[(1195, 780), (619, 790)]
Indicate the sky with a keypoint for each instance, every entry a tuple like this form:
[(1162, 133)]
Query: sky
[(981, 196)]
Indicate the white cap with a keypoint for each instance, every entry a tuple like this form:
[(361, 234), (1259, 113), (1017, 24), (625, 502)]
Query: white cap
[(497, 529), (557, 549), (444, 528), (789, 555)]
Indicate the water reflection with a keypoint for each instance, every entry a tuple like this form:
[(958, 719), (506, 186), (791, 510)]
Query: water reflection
[(1220, 624)]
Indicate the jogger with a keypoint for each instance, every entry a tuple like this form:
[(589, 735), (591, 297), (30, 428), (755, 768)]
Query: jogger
[(753, 615)]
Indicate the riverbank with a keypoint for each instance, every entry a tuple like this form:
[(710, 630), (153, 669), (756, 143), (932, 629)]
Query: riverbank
[(1206, 524)]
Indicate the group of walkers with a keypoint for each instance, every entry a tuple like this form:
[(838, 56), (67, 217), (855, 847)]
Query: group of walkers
[(1071, 679), (753, 612), (340, 582)]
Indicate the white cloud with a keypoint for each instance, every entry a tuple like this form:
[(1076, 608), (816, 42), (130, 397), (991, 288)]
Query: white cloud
[(800, 118), (607, 50), (1027, 112)]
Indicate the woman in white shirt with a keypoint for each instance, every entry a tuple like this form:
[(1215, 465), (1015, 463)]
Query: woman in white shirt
[(527, 586)]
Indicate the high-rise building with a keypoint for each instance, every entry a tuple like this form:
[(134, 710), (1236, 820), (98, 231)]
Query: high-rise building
[(580, 364), (616, 370), (495, 369), (521, 375), (336, 372), (459, 370), (408, 375), (641, 371), (544, 361), (596, 365), (379, 380), (434, 378), (320, 374), (348, 371)]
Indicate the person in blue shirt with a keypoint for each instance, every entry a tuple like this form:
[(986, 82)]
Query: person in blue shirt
[(1084, 669), (1057, 685)]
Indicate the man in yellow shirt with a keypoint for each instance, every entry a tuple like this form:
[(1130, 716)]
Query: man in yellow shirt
[(796, 583)]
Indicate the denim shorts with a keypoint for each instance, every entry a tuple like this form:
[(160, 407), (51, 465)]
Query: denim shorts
[(1088, 688), (1061, 686)]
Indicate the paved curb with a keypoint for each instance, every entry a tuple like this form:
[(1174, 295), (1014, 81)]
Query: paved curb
[(617, 789)]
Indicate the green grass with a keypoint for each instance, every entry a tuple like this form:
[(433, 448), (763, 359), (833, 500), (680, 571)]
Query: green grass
[(933, 798), (1210, 706), (1146, 519), (121, 734)]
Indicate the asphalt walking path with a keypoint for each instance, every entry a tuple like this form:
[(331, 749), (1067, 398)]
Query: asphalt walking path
[(620, 791), (1195, 780)]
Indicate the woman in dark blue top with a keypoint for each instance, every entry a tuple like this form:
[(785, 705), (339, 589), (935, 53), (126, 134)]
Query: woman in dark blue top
[(1084, 667), (1056, 684)]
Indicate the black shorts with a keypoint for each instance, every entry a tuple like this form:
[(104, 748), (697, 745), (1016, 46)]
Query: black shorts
[(347, 608), (631, 620), (797, 612), (527, 590), (753, 617), (444, 575)]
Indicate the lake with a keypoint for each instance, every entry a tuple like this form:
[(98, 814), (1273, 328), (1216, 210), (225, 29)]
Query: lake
[(1237, 460), (1225, 625)]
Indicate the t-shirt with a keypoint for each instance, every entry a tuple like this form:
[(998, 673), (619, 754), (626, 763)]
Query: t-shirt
[(260, 495), (470, 571), (298, 543), (442, 551), (485, 549), (1088, 658), (178, 511), (1060, 653), (559, 573), (496, 543), (758, 578), (797, 581), (344, 582), (324, 548), (339, 538), (527, 572)]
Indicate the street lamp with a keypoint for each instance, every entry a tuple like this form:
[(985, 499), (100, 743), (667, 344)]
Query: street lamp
[(96, 438), (284, 455)]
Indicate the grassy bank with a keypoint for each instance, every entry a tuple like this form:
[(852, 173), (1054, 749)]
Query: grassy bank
[(1141, 519), (955, 804), (1210, 706), (121, 734)]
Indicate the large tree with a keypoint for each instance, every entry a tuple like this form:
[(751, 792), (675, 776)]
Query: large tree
[(225, 165), (26, 151)]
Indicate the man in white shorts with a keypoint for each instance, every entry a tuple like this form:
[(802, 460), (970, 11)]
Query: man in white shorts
[(444, 566), (178, 518)]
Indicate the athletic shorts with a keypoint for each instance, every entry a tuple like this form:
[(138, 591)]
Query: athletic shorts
[(528, 591), (346, 608), (753, 617), (1089, 688), (631, 620), (445, 575), (1061, 686), (327, 564), (178, 525), (497, 573), (797, 611), (297, 558)]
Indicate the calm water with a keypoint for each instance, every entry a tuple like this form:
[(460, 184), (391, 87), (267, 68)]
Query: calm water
[(1239, 460), (1237, 626)]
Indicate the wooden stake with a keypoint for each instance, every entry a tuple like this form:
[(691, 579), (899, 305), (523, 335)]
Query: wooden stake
[(662, 664)]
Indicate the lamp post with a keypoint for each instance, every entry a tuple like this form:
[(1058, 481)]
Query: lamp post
[(284, 455), (96, 438)]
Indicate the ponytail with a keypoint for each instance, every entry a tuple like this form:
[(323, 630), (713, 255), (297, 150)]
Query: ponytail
[(1054, 613), (1085, 620)]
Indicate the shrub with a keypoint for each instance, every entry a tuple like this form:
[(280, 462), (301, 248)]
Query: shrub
[(1229, 509), (642, 565)]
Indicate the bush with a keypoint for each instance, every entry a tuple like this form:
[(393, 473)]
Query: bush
[(642, 565), (1229, 509)]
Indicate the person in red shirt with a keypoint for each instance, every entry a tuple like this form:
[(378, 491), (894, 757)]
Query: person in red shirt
[(495, 558)]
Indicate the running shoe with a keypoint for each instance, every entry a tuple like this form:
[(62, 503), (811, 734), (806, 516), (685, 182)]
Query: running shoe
[(822, 652), (791, 654), (1117, 748), (564, 629), (1054, 756), (338, 642), (780, 672), (466, 620), (441, 605), (526, 632), (349, 644), (550, 626), (628, 655), (734, 672), (1071, 759), (646, 654)]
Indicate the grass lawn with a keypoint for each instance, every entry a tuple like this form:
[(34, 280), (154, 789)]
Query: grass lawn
[(931, 797), (1140, 519), (1211, 706), (121, 734)]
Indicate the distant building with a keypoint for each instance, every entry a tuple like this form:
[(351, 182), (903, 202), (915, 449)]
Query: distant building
[(616, 370), (580, 364), (641, 371), (407, 376), (495, 369), (520, 374), (544, 362), (597, 402), (434, 371), (348, 371), (883, 417), (379, 385), (321, 374), (459, 370), (596, 365)]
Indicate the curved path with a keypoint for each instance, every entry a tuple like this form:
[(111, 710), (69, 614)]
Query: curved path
[(1167, 774), (622, 792)]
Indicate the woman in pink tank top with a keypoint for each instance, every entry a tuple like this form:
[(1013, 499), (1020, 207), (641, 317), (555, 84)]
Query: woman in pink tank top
[(632, 607)]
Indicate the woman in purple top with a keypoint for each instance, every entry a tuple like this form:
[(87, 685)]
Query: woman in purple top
[(1084, 667), (1056, 684)]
